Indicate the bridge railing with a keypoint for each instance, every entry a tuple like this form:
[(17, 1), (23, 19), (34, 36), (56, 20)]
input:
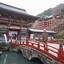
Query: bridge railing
[(57, 54)]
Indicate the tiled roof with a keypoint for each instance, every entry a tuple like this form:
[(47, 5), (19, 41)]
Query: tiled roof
[(11, 8), (15, 9)]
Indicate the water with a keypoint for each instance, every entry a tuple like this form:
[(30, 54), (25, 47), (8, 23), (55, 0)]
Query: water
[(16, 58)]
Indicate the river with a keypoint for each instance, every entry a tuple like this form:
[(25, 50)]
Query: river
[(8, 57)]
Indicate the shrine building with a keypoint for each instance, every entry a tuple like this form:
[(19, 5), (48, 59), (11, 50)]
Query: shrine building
[(14, 22)]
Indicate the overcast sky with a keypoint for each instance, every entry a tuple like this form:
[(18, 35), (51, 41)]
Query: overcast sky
[(33, 7)]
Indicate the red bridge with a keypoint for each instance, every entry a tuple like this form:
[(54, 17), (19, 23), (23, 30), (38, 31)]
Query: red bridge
[(55, 53)]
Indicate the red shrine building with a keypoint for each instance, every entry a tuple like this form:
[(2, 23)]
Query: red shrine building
[(14, 22)]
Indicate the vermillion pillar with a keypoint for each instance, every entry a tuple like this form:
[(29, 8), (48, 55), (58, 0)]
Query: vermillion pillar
[(20, 34), (28, 37)]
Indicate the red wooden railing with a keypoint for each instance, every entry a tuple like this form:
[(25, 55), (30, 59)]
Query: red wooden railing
[(57, 54)]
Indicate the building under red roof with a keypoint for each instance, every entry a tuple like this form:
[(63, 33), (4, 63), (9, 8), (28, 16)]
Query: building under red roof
[(12, 22)]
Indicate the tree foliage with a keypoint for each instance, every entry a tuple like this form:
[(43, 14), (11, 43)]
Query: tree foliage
[(56, 11)]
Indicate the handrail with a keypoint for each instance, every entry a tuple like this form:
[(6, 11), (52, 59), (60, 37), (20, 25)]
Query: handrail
[(52, 50), (46, 48), (52, 47)]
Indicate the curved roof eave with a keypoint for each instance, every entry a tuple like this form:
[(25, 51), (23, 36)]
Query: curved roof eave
[(38, 30), (17, 10)]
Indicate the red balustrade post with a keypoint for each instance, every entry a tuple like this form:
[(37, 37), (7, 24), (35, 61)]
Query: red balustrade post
[(22, 42), (60, 51), (27, 41), (57, 41), (32, 44), (38, 44), (46, 47)]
